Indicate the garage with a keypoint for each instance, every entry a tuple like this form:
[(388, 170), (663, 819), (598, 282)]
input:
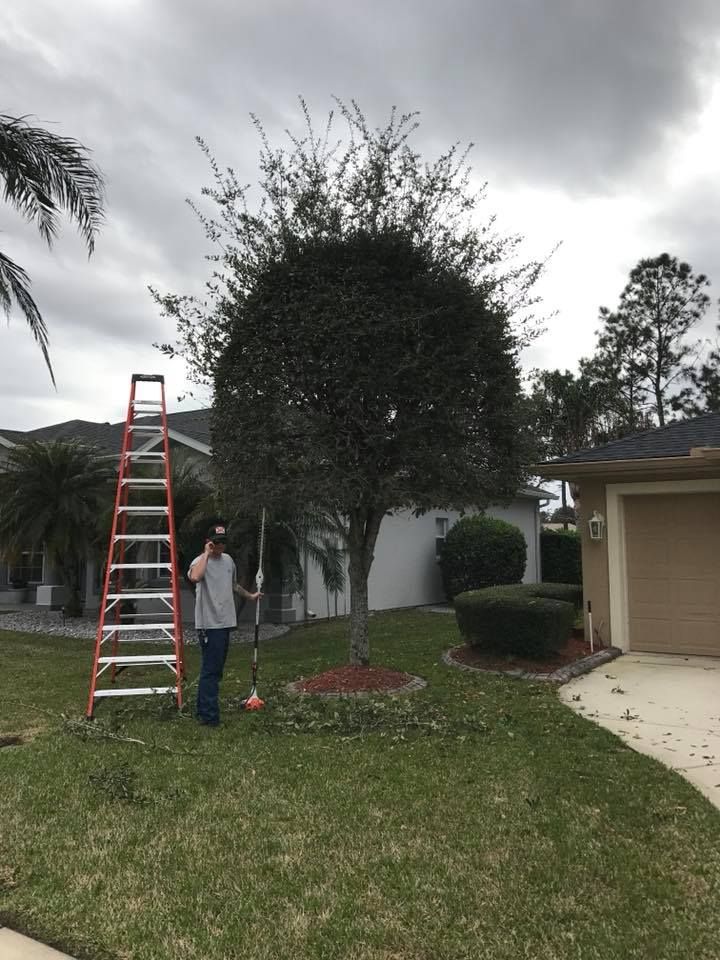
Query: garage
[(648, 513), (672, 551)]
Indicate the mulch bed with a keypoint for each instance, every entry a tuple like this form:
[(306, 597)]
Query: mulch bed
[(348, 680), (575, 649)]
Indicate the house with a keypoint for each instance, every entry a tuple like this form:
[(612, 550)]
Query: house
[(650, 563), (405, 572)]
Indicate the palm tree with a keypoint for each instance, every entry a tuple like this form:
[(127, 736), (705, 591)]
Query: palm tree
[(43, 174), (56, 494)]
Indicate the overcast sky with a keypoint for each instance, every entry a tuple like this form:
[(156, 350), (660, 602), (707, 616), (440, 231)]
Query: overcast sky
[(597, 125)]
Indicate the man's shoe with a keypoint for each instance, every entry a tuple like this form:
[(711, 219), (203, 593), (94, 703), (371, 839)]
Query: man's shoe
[(209, 723)]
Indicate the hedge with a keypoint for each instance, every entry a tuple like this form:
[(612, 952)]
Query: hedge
[(481, 552), (516, 620), (561, 556), (569, 592)]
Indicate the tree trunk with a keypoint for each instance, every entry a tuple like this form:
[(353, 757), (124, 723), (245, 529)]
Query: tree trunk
[(362, 533)]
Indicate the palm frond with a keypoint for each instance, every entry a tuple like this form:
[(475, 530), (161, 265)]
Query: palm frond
[(44, 173), (14, 286)]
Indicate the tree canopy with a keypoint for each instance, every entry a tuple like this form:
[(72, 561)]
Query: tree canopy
[(361, 333)]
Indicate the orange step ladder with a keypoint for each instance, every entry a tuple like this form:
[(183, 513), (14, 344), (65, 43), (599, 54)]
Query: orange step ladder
[(143, 518)]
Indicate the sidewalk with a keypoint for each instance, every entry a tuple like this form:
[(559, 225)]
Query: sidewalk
[(14, 946)]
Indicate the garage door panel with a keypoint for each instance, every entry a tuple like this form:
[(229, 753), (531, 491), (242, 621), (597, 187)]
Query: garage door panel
[(673, 573), (651, 635)]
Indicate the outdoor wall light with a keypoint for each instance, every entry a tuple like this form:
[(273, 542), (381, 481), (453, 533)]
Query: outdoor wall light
[(597, 526)]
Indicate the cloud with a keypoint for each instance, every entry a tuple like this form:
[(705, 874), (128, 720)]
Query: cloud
[(579, 110)]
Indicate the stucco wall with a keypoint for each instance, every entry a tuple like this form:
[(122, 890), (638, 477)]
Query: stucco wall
[(405, 572), (596, 583)]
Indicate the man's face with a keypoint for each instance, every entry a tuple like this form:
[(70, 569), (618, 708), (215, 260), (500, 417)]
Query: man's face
[(217, 548)]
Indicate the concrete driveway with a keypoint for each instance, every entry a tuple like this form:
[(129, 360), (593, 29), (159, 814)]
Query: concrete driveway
[(667, 707)]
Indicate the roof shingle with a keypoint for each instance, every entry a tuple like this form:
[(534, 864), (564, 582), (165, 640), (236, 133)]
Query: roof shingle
[(675, 439)]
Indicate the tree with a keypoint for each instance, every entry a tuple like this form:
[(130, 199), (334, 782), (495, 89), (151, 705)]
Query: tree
[(703, 391), (57, 495), (645, 340), (567, 414), (358, 332), (43, 174)]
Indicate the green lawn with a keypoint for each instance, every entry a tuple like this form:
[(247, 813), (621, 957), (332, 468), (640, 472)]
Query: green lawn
[(477, 819)]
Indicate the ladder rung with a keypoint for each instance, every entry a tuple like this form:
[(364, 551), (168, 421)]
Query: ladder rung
[(147, 403), (148, 428), (110, 627), (142, 658), (155, 613), (148, 454), (142, 536), (144, 511), (135, 691), (139, 595), (140, 566), (153, 482)]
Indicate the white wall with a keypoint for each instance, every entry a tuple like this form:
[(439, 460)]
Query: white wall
[(405, 572)]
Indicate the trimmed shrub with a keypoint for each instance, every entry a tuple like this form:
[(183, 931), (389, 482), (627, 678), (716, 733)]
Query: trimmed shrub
[(569, 592), (482, 552), (512, 621), (561, 556)]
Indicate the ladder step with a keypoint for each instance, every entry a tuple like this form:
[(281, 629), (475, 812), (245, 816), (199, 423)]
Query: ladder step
[(135, 691), (146, 454), (144, 511), (143, 536), (143, 658), (110, 627), (147, 403), (155, 613), (141, 566), (149, 428), (139, 595), (154, 482)]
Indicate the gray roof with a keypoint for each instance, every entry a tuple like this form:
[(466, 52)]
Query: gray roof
[(675, 439), (194, 424)]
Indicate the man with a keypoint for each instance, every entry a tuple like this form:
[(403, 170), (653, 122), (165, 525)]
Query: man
[(215, 577)]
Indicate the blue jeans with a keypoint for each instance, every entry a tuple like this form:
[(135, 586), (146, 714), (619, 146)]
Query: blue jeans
[(213, 649)]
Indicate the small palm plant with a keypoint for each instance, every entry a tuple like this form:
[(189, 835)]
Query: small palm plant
[(56, 495)]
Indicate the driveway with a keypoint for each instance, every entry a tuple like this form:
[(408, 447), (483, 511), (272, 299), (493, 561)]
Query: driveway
[(667, 707)]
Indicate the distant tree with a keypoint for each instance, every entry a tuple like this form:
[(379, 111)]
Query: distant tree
[(643, 348), (566, 414), (43, 175), (563, 515), (56, 495), (703, 392), (362, 331)]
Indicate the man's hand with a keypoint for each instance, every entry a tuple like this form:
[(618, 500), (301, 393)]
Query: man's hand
[(209, 548), (256, 596)]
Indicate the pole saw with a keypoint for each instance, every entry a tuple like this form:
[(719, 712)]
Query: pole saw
[(253, 701)]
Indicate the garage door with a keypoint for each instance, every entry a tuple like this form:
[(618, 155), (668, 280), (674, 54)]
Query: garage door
[(672, 554)]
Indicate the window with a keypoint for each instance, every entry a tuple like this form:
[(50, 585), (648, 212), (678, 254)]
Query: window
[(28, 568), (441, 528)]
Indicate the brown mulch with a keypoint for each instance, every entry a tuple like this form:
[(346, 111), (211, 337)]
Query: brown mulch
[(354, 680), (575, 649)]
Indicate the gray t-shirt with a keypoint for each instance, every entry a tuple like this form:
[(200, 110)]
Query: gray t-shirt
[(214, 594)]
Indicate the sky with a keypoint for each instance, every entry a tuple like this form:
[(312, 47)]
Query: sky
[(596, 126)]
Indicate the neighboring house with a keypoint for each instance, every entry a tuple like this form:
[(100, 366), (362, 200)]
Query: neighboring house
[(653, 574), (405, 572)]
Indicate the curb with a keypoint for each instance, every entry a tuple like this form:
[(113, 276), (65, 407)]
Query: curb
[(560, 676), (415, 683)]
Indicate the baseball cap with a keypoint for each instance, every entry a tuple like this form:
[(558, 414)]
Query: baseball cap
[(217, 533)]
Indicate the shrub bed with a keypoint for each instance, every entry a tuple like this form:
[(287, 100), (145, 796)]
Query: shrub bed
[(515, 620), (482, 552), (561, 556)]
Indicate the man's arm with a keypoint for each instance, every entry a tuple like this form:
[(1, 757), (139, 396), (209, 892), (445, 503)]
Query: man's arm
[(197, 570), (245, 593)]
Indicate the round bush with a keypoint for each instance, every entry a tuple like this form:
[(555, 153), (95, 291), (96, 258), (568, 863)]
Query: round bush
[(561, 556), (511, 621), (569, 592), (482, 552)]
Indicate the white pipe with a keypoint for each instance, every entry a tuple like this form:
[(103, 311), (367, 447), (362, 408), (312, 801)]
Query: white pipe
[(592, 642)]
